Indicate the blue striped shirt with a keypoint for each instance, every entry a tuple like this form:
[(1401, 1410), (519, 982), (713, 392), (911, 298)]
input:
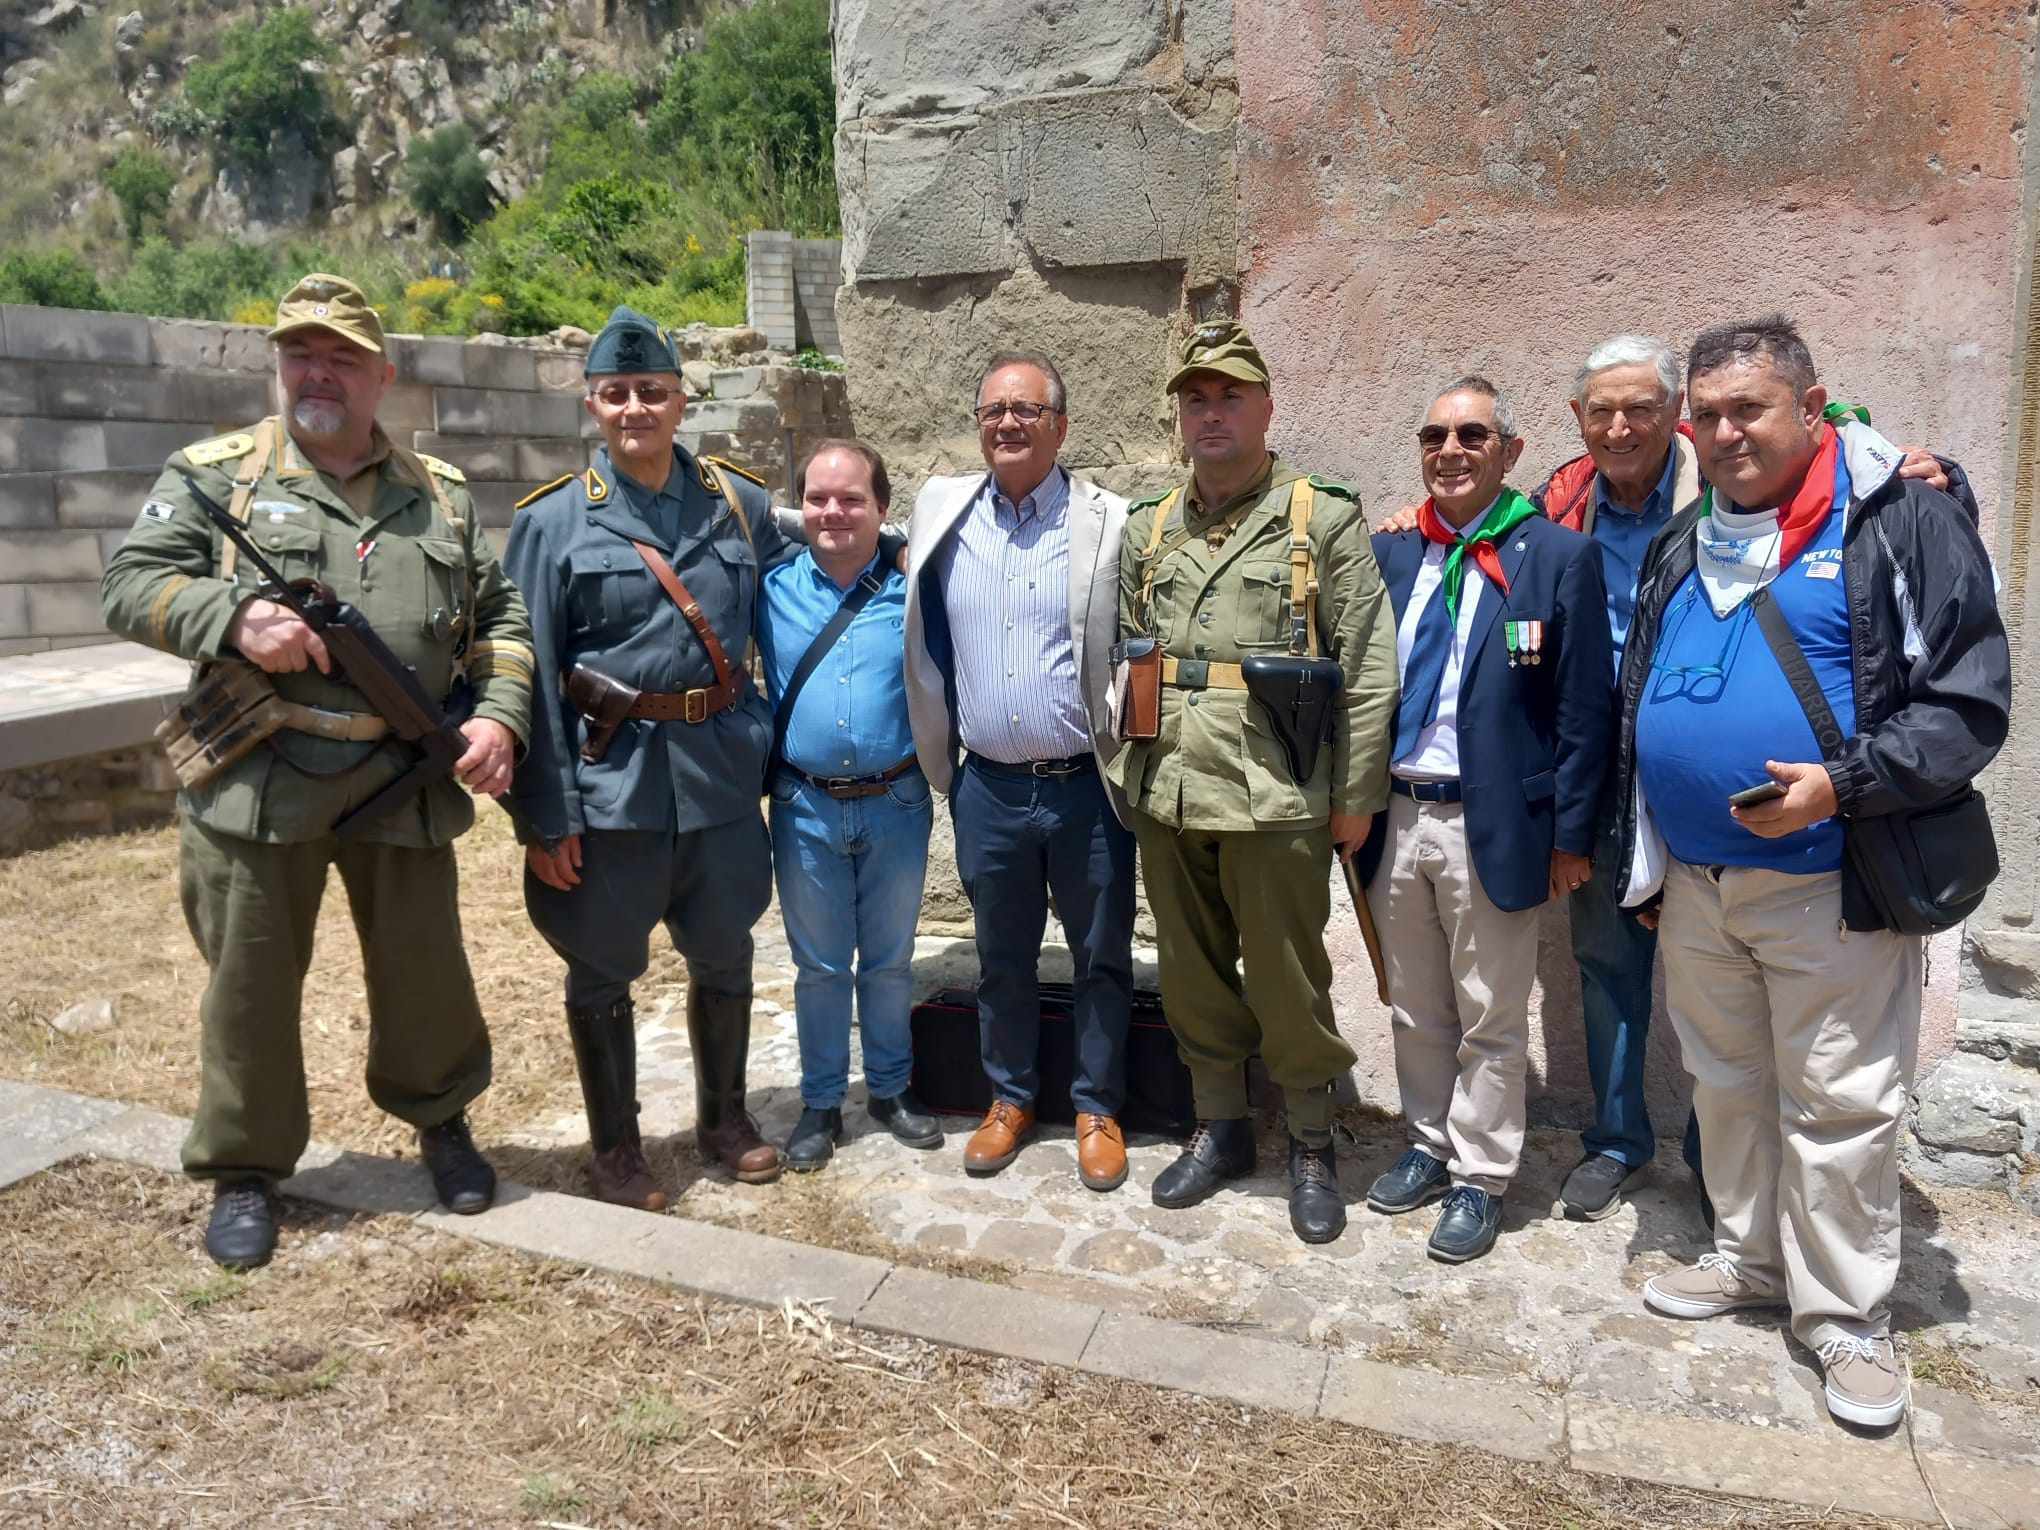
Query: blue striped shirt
[(850, 719), (1006, 590)]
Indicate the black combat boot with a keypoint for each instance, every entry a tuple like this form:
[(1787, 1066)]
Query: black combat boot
[(605, 1052), (814, 1138), (242, 1232), (460, 1174), (719, 1027), (1317, 1212), (1217, 1151)]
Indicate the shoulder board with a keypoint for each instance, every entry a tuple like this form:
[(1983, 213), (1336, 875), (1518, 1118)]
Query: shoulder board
[(728, 466), (1150, 502), (444, 470), (219, 449), (1332, 486), (544, 489)]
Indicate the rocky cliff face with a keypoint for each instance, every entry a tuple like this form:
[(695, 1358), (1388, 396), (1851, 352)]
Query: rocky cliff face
[(399, 68)]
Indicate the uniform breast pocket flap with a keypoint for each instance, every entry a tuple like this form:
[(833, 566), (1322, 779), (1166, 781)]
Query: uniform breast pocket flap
[(1264, 603), (602, 588), (297, 551), (444, 561)]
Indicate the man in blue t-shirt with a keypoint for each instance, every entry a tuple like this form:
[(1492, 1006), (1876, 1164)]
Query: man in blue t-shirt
[(1797, 1010)]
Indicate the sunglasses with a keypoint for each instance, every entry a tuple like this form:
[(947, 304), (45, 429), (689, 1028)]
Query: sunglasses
[(1025, 413), (1472, 436), (650, 394)]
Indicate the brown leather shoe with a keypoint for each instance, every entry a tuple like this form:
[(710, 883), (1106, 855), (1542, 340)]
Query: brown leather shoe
[(1101, 1152), (997, 1140), (734, 1143), (623, 1178)]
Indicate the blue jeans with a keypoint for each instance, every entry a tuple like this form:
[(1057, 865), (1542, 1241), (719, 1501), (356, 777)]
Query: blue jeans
[(1018, 838), (1615, 954), (850, 875)]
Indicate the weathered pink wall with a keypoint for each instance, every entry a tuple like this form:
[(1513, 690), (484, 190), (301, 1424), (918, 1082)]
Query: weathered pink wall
[(1428, 189)]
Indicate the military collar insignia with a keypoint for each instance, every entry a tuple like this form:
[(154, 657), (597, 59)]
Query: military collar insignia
[(598, 490)]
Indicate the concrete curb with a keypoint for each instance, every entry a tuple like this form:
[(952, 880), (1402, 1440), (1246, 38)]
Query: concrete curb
[(1837, 1471)]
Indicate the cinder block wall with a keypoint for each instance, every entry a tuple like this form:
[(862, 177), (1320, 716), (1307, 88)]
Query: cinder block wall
[(92, 403), (791, 291)]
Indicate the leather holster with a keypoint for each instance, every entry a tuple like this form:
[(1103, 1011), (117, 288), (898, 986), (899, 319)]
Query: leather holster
[(605, 702)]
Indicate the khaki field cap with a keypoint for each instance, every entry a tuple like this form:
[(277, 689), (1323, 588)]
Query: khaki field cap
[(1224, 347), (327, 302)]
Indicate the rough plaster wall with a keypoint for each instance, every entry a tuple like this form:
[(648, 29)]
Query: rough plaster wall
[(1429, 190)]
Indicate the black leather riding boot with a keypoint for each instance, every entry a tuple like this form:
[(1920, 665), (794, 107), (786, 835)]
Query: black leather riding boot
[(719, 1029)]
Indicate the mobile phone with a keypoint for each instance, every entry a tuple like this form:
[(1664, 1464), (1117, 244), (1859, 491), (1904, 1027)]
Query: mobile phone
[(1763, 791)]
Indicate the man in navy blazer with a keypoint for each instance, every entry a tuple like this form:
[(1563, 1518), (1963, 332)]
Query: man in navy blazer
[(1502, 737)]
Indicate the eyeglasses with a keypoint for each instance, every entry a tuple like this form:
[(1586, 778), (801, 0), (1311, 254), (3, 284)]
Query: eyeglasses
[(1702, 684), (1472, 436), (1023, 411), (650, 394)]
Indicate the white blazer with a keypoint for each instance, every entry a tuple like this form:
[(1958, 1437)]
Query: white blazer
[(1097, 518)]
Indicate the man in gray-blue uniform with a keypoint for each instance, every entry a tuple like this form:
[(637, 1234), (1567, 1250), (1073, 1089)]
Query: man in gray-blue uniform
[(638, 799)]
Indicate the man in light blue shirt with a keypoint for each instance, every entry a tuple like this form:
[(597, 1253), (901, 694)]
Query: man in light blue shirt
[(850, 807)]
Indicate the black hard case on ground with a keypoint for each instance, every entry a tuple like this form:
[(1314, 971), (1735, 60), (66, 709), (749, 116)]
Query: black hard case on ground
[(949, 1074)]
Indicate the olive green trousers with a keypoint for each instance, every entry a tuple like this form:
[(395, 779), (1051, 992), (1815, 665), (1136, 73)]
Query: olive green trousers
[(252, 908), (1240, 930)]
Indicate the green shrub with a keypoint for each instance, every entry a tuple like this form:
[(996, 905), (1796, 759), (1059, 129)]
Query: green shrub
[(447, 181), (141, 180), (256, 90), (49, 278), (195, 281)]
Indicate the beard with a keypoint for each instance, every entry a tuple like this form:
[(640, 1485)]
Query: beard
[(319, 416)]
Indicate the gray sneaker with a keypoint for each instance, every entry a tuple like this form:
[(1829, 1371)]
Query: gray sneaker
[(1705, 1290), (1863, 1383), (1594, 1189)]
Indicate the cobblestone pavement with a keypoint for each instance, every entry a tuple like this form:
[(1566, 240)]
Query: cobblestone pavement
[(1556, 1304)]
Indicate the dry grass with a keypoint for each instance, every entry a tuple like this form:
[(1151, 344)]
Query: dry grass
[(100, 918), (383, 1375)]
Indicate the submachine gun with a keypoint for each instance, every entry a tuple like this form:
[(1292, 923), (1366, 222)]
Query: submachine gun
[(363, 660)]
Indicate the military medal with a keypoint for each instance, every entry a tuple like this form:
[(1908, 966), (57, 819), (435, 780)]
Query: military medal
[(1536, 642), (1509, 640)]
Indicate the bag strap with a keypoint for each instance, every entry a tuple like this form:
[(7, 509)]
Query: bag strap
[(1302, 583), (1145, 606), (678, 593), (868, 584), (245, 478), (1827, 733)]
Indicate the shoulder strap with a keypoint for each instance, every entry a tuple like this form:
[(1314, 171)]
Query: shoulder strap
[(1827, 733), (1302, 582), (245, 478), (868, 584), (1147, 578), (691, 609)]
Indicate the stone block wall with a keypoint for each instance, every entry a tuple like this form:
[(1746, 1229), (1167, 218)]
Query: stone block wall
[(118, 789), (92, 403), (790, 290)]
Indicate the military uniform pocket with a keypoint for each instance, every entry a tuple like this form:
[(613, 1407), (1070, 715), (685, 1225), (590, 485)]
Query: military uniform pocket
[(1273, 795), (298, 552), (1263, 609), (608, 588), (442, 606)]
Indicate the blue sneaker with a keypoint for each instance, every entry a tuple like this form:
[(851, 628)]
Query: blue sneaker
[(1416, 1178), (1467, 1225)]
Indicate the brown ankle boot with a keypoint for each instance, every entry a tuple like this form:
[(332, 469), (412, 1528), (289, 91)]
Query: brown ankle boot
[(719, 1027), (623, 1178)]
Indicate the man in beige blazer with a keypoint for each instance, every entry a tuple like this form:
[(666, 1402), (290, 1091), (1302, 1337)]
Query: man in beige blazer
[(1012, 609)]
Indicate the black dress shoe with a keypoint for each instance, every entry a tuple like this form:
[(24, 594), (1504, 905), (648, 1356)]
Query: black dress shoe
[(814, 1138), (1317, 1212), (1415, 1178), (460, 1174), (1594, 1189), (907, 1119), (1217, 1151), (1467, 1225), (242, 1232)]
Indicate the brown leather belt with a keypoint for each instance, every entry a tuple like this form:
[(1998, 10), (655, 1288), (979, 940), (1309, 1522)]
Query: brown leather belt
[(845, 788), (686, 706)]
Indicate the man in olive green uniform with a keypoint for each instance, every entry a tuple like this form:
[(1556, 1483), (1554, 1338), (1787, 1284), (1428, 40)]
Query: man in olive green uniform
[(1236, 853), (325, 494)]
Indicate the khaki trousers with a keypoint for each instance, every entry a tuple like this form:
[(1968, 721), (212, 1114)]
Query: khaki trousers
[(1800, 1037), (1459, 975)]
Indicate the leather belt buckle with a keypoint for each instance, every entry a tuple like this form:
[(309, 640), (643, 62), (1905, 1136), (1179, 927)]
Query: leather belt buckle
[(694, 706), (835, 783), (1051, 769), (1193, 674)]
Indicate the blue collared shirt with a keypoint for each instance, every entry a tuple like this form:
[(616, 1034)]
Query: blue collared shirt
[(1006, 590), (1624, 536), (850, 719)]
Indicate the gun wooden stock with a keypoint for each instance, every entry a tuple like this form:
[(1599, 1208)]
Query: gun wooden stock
[(1369, 935)]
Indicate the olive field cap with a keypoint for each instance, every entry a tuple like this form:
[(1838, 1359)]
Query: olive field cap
[(1223, 347), (630, 342), (320, 301)]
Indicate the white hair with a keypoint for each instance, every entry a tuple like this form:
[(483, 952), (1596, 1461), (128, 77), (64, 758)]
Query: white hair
[(1629, 351), (1473, 382)]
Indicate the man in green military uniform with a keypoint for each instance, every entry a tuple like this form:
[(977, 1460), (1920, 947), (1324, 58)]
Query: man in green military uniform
[(1236, 852), (325, 494)]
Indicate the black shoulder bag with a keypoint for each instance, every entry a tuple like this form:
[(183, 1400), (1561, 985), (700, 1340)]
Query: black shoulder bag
[(868, 584), (1923, 870)]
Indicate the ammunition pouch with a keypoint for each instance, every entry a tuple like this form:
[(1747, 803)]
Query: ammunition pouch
[(1298, 696), (229, 708), (603, 701)]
